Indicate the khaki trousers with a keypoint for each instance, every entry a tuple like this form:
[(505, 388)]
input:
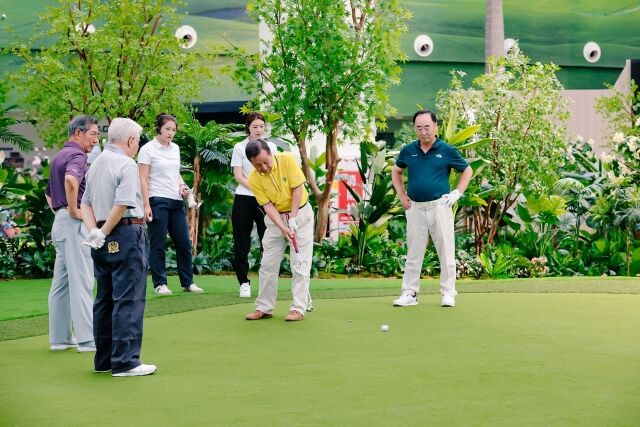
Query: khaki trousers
[(433, 219), (274, 244)]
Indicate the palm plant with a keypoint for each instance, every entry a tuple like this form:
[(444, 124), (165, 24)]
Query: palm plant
[(206, 154), (7, 136)]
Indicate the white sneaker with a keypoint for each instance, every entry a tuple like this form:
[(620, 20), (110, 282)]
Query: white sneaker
[(163, 290), (448, 301), (407, 298), (137, 371), (64, 346), (194, 288), (245, 290), (87, 348)]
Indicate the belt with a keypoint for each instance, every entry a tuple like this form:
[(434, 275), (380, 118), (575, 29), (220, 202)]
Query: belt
[(124, 221), (57, 209), (286, 212), (429, 204)]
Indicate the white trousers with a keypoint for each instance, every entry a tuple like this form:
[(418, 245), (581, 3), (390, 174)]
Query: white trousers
[(433, 219), (71, 294), (274, 244)]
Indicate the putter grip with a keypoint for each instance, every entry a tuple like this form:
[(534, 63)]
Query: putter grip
[(294, 242)]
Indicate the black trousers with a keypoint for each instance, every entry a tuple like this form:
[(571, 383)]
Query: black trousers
[(246, 211), (169, 215), (118, 310)]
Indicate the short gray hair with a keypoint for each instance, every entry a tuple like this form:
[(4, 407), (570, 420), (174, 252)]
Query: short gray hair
[(121, 129), (82, 123)]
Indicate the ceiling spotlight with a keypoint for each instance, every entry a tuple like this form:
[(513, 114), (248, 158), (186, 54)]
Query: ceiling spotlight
[(592, 52), (509, 45), (423, 45), (187, 36)]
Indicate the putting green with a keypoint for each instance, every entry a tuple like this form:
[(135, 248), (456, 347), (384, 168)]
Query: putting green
[(495, 359)]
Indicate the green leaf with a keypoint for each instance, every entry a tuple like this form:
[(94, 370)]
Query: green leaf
[(463, 135), (475, 144)]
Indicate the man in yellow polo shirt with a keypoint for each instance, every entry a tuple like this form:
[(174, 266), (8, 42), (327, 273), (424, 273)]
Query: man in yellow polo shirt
[(278, 184)]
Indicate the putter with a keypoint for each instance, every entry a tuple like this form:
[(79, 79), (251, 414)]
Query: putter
[(310, 306)]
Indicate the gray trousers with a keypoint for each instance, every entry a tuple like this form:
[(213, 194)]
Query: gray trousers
[(71, 294)]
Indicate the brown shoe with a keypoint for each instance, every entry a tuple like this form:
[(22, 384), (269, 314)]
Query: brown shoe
[(257, 315), (294, 316)]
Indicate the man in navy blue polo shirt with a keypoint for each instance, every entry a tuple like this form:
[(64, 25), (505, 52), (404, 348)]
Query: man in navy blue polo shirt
[(71, 294), (428, 203)]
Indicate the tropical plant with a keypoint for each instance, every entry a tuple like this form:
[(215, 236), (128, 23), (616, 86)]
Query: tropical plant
[(327, 69), (107, 59), (206, 154), (7, 136), (377, 203)]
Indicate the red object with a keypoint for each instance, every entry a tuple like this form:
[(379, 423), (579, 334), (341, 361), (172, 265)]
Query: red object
[(345, 198)]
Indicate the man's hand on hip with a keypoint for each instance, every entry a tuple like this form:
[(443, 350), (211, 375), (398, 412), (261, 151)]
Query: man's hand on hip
[(451, 198), (406, 201)]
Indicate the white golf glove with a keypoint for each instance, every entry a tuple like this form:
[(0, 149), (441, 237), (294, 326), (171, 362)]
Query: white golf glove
[(95, 239), (293, 225), (451, 198)]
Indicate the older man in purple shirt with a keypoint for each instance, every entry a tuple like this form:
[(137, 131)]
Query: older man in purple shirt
[(71, 294)]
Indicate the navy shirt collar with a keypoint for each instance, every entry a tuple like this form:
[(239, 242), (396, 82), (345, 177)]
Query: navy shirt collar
[(436, 145)]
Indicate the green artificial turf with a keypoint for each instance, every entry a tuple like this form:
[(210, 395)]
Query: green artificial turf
[(499, 359), (23, 303)]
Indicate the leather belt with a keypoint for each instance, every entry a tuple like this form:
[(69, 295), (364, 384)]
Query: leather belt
[(124, 221), (305, 204)]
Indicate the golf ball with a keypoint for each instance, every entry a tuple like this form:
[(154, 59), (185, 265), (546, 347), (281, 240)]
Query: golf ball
[(3, 17), (384, 328)]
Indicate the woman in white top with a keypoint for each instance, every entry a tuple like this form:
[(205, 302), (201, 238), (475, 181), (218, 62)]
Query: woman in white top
[(162, 192), (246, 210)]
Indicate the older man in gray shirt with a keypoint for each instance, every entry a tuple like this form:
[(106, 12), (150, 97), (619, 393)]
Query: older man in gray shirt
[(112, 209)]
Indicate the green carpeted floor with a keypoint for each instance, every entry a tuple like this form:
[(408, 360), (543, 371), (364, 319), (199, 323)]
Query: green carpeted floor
[(512, 353)]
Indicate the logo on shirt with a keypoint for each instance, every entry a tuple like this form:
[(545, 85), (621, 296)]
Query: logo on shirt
[(414, 155), (439, 156), (284, 179)]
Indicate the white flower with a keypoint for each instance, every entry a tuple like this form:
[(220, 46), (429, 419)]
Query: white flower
[(638, 123), (591, 142), (632, 143), (618, 137), (605, 157)]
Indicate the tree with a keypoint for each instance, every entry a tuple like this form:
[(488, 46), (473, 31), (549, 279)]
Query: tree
[(519, 106), (327, 69), (107, 59)]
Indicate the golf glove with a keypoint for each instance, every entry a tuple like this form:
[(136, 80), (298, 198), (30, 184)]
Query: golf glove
[(451, 198), (96, 239), (293, 225)]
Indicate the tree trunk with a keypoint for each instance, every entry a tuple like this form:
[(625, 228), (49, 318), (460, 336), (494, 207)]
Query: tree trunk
[(193, 214), (324, 199)]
